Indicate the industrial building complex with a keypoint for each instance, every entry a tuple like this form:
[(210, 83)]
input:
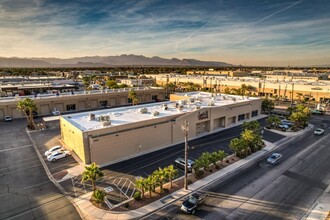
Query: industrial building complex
[(111, 135)]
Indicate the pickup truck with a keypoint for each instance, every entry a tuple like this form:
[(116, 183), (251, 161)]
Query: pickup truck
[(190, 204)]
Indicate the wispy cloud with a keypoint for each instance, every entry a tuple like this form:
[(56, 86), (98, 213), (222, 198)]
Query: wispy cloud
[(231, 31)]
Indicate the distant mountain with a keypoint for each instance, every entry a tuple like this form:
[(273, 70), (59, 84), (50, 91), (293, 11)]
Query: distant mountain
[(105, 61)]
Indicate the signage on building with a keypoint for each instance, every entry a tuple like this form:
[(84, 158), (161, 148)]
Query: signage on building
[(203, 115), (316, 88)]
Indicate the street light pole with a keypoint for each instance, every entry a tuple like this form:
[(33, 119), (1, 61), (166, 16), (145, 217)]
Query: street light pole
[(185, 129)]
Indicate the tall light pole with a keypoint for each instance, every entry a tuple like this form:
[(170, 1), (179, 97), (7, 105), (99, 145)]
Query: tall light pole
[(185, 129)]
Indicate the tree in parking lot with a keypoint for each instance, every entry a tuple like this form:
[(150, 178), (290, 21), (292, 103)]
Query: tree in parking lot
[(251, 125), (171, 173), (273, 121), (27, 106), (267, 106), (239, 147), (300, 116), (92, 173)]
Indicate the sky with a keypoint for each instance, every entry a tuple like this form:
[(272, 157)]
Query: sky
[(246, 32)]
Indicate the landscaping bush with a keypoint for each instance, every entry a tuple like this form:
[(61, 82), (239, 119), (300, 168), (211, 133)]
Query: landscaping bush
[(99, 196), (137, 195), (199, 174), (217, 166)]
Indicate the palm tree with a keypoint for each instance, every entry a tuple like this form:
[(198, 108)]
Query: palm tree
[(27, 106), (161, 176), (150, 183), (252, 125), (221, 155), (141, 184), (92, 173), (214, 158), (133, 97), (171, 173)]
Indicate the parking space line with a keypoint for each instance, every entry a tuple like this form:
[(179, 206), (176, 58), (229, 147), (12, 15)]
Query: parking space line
[(14, 148)]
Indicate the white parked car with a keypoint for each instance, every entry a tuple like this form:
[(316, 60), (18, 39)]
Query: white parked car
[(53, 149), (7, 118), (274, 158), (58, 155), (318, 131)]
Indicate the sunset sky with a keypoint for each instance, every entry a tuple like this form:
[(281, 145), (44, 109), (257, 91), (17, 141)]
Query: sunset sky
[(247, 32)]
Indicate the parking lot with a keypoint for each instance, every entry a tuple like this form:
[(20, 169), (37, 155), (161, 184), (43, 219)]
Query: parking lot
[(25, 189)]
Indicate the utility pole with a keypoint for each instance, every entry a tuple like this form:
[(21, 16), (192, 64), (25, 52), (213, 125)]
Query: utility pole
[(185, 129)]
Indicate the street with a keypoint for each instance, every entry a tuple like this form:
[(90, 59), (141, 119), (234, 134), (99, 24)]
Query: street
[(262, 191)]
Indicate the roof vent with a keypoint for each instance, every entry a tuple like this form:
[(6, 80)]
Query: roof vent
[(143, 110)]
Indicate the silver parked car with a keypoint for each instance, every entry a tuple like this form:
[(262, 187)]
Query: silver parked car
[(180, 162)]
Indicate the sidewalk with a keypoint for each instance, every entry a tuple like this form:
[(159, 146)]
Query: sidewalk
[(91, 212)]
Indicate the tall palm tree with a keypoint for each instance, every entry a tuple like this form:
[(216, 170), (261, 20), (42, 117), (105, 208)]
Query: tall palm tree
[(27, 106), (171, 173), (92, 173)]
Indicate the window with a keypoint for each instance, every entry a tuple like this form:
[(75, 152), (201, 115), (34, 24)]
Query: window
[(241, 117), (154, 97), (104, 103), (71, 107), (254, 113)]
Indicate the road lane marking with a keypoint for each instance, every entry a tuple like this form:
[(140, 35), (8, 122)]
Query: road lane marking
[(308, 148)]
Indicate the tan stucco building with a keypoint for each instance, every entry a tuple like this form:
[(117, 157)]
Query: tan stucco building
[(111, 135), (79, 101), (271, 87)]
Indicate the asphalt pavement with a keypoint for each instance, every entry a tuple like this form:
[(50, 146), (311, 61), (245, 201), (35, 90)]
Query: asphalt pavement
[(261, 191), (25, 190)]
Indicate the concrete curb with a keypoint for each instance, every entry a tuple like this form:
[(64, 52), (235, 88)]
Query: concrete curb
[(143, 212)]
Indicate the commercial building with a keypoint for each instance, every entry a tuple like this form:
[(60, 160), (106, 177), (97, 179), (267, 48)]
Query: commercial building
[(111, 135), (285, 88), (70, 102)]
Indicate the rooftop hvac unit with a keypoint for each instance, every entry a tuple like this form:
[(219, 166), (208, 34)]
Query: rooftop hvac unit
[(143, 110), (156, 113), (91, 116), (211, 103), (164, 106), (106, 123), (182, 102)]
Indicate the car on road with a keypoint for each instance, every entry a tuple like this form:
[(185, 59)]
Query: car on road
[(274, 158), (318, 131), (316, 112), (190, 204), (180, 162), (7, 118), (58, 155), (53, 149)]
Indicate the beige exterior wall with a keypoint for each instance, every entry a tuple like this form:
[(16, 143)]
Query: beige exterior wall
[(81, 101), (113, 144), (271, 88)]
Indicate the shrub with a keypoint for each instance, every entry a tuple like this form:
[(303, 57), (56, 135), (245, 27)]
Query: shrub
[(99, 196), (137, 195), (199, 174), (217, 166), (190, 181), (126, 205)]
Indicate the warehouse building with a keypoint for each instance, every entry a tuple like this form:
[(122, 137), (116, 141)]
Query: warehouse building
[(112, 135)]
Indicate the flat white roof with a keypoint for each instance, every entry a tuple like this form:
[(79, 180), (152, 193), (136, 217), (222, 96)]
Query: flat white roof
[(130, 114)]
